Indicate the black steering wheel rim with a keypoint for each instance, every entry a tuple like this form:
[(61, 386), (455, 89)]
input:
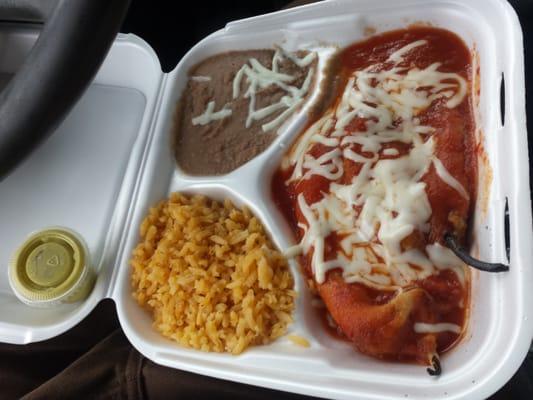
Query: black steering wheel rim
[(67, 55)]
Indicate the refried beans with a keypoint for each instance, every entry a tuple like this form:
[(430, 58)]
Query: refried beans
[(233, 105)]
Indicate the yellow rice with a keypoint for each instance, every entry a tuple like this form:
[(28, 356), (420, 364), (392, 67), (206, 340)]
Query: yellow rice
[(211, 276), (299, 340)]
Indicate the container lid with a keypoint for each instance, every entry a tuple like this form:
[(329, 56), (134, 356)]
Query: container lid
[(48, 265), (84, 177)]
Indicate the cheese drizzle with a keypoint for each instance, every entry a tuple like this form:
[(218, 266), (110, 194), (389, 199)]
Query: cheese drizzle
[(386, 201)]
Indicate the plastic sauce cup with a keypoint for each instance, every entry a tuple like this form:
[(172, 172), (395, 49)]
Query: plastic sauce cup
[(51, 267)]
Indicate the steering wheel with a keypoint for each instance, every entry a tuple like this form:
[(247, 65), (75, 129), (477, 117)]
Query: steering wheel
[(72, 45)]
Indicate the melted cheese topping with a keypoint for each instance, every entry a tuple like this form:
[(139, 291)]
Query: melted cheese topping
[(443, 173), (201, 78), (259, 77), (421, 327), (386, 201), (211, 115), (391, 152)]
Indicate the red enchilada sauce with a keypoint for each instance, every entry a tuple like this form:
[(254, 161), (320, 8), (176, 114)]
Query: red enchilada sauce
[(376, 181)]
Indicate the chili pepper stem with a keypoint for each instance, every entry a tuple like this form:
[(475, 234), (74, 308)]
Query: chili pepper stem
[(453, 244), (435, 369)]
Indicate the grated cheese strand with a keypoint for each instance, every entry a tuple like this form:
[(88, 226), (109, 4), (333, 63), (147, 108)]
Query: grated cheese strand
[(443, 173), (259, 77), (210, 115), (421, 327), (201, 78)]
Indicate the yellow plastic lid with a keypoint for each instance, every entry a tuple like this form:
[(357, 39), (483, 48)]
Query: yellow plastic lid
[(51, 267)]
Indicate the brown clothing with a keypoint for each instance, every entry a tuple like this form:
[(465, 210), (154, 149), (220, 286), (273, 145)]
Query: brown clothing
[(94, 360)]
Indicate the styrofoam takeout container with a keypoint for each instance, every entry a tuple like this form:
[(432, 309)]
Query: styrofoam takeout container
[(112, 159)]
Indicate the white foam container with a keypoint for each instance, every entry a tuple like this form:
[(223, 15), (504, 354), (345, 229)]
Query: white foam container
[(111, 160)]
